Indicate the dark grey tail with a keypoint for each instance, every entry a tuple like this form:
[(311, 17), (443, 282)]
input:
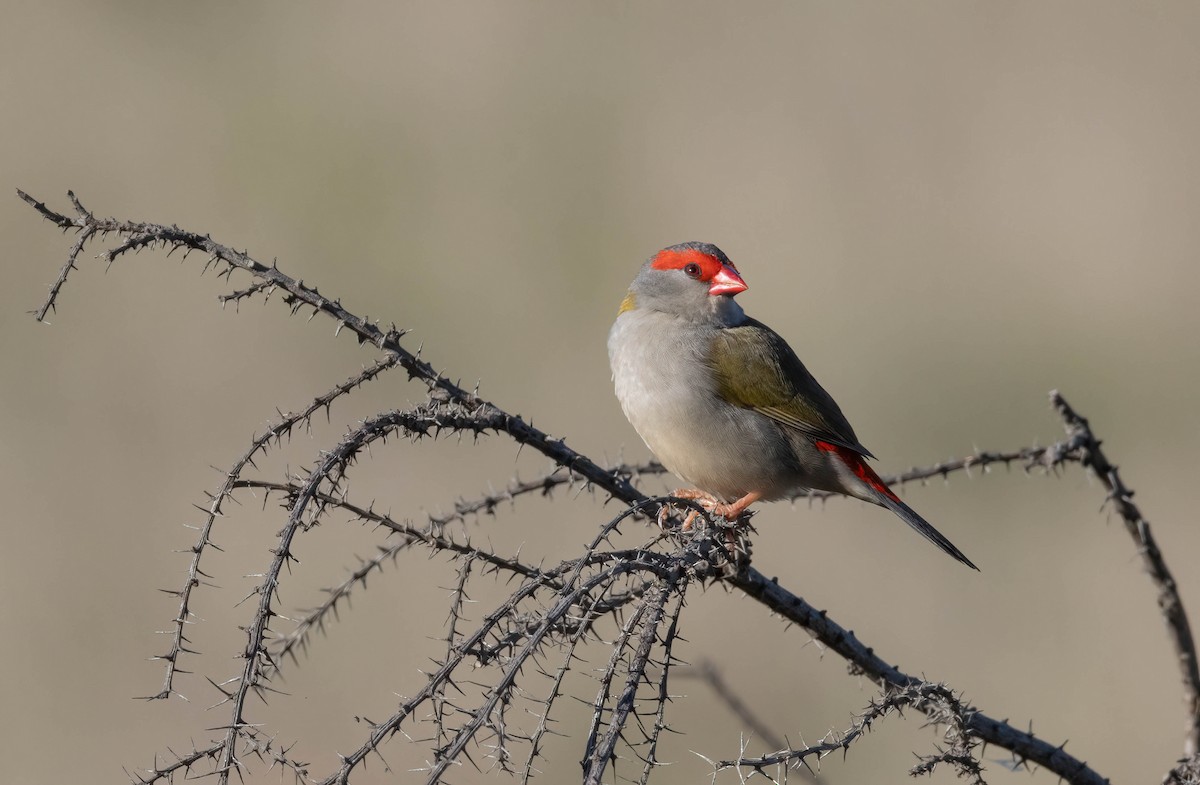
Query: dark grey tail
[(922, 526)]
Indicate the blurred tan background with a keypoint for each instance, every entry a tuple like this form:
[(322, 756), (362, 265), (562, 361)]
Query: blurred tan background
[(948, 208)]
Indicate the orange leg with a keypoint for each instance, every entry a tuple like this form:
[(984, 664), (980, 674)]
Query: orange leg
[(731, 512), (705, 498)]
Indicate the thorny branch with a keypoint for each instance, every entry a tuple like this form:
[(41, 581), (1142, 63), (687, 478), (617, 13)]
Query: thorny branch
[(599, 751), (561, 608), (273, 435), (1086, 449), (931, 698)]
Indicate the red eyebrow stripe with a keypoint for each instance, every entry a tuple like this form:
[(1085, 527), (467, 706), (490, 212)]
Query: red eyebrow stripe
[(677, 260)]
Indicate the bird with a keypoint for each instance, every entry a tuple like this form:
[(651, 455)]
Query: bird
[(723, 401)]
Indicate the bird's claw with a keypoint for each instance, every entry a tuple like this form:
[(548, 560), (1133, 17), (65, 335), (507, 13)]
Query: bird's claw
[(730, 525), (689, 519), (734, 513), (705, 500)]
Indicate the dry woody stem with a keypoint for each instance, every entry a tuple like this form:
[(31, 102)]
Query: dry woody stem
[(504, 680)]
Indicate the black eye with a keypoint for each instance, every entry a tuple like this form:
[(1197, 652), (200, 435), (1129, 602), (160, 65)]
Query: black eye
[(692, 270)]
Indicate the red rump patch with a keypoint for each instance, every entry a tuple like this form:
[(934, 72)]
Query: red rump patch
[(859, 466), (677, 260)]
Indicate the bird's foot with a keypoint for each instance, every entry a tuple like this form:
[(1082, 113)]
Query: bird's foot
[(704, 499), (737, 533), (731, 512), (731, 543)]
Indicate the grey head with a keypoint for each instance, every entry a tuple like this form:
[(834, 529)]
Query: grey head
[(694, 281)]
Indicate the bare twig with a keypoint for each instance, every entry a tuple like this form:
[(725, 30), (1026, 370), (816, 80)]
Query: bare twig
[(863, 660), (298, 295), (561, 604), (951, 714), (1087, 448), (650, 759), (274, 433), (708, 672), (600, 753), (573, 594), (182, 764)]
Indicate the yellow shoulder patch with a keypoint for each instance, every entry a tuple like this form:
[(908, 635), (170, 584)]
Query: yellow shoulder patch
[(628, 304)]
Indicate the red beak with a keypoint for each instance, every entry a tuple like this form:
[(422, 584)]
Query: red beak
[(727, 281)]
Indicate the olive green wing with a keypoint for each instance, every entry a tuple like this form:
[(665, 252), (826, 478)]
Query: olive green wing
[(756, 369)]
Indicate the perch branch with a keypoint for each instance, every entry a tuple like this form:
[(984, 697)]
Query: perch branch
[(467, 411)]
